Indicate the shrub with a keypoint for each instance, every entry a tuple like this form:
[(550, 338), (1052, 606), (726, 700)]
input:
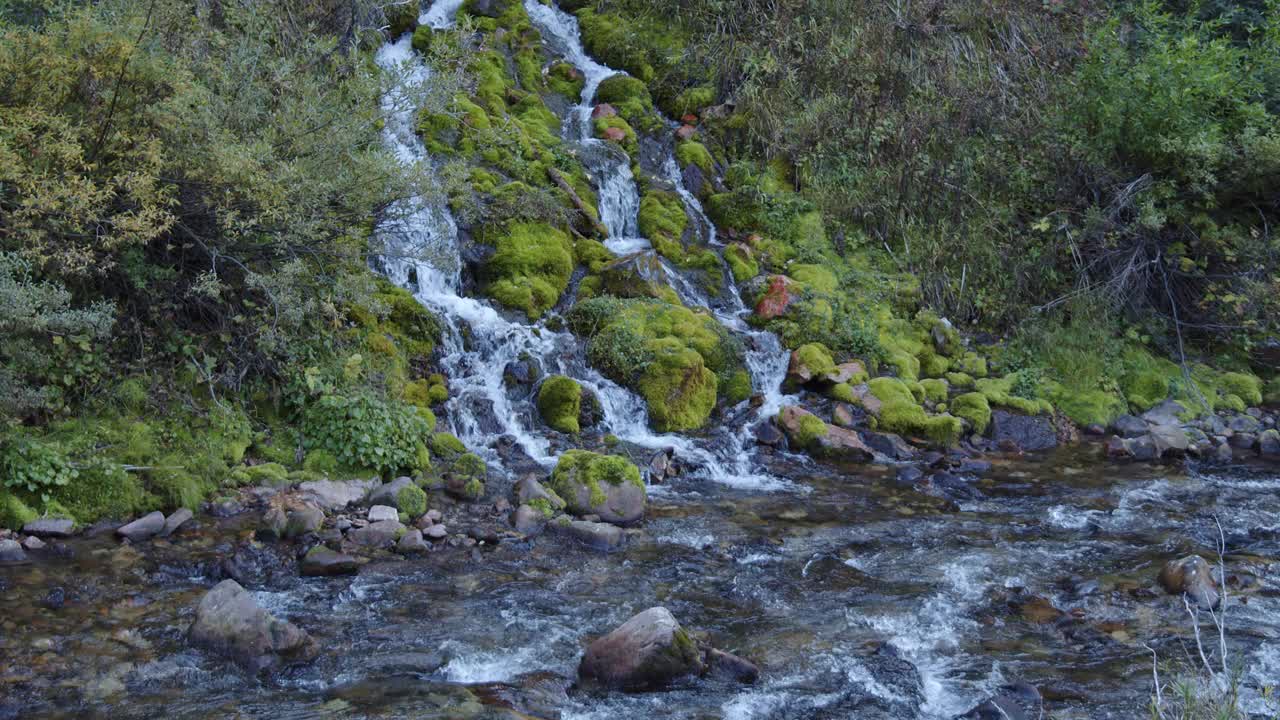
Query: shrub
[(34, 467), (364, 431)]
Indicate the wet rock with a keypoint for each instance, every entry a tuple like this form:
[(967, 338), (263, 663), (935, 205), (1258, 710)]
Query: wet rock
[(412, 542), (379, 513), (1095, 430), (32, 543), (1028, 433), (1269, 443), (389, 494), (844, 444), (1168, 412), (436, 532), (590, 411), (595, 535), (909, 475), (1169, 440), (603, 110), (727, 666), (971, 466), (1018, 701), (303, 521), (176, 520), (407, 663), (330, 495), (145, 527), (51, 527), (842, 415), (658, 465), (274, 521), (648, 651), (377, 534), (1244, 424), (258, 565), (1128, 426), (1244, 441), (11, 553), (229, 621), (600, 485), (320, 561), (529, 521), (224, 507), (521, 373), (949, 487), (777, 297), (488, 8), (890, 445), (769, 435), (1143, 448), (1193, 577), (1222, 453), (529, 490)]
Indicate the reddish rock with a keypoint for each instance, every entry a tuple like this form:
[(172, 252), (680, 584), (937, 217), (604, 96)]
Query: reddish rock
[(685, 132), (867, 399), (614, 134), (648, 651), (843, 444), (689, 119), (604, 110), (777, 298)]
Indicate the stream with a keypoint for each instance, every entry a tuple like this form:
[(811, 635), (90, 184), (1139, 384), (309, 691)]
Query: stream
[(858, 596)]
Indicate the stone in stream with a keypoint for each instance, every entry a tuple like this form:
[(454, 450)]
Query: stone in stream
[(229, 621), (1169, 440), (890, 445), (1128, 426), (1027, 433), (378, 513), (648, 651), (1244, 424), (145, 527), (303, 521), (529, 490), (1269, 443), (273, 524), (604, 485), (31, 542), (377, 534), (320, 561), (175, 521), (1018, 701), (1193, 576), (727, 666), (11, 553), (50, 527), (389, 494), (412, 542), (331, 495), (528, 520), (596, 535)]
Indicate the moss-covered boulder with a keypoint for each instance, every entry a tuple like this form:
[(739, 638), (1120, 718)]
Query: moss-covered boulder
[(810, 362), (560, 402), (678, 360), (974, 408), (530, 267), (806, 431), (900, 412), (605, 485)]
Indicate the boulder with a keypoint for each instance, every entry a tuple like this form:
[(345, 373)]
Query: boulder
[(11, 553), (145, 527), (528, 520), (175, 521), (1028, 433), (330, 495), (595, 535), (842, 415), (320, 561), (1143, 448), (1269, 443), (378, 534), (412, 542), (1168, 412), (1170, 440), (1018, 701), (648, 651), (378, 513), (1243, 441), (852, 371), (389, 493), (303, 521), (51, 527), (1193, 577), (777, 298), (769, 435), (274, 521), (615, 134), (1128, 426), (229, 621), (727, 666), (1244, 424), (529, 490), (608, 486), (32, 543), (685, 132), (843, 444), (603, 110), (890, 445)]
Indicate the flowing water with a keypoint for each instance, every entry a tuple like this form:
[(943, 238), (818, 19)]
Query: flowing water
[(828, 577)]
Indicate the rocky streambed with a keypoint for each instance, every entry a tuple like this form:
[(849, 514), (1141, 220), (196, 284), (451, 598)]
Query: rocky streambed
[(854, 593)]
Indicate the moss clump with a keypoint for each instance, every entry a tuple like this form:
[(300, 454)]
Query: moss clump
[(742, 262), (662, 222), (1000, 391), (736, 388), (593, 470), (13, 512), (900, 413), (959, 380), (422, 40), (445, 445), (560, 402), (842, 392), (1088, 407), (565, 79), (628, 95), (677, 359), (933, 365), (815, 277), (935, 390), (693, 100), (270, 474), (972, 364), (102, 490), (411, 501), (320, 461), (817, 358), (625, 135), (1243, 385), (811, 430), (530, 268), (689, 153), (974, 408), (543, 506), (1271, 395)]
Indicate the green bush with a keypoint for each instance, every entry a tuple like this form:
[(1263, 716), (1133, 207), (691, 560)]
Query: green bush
[(363, 431), (34, 467)]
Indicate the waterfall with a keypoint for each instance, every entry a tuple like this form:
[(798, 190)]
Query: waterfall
[(422, 253)]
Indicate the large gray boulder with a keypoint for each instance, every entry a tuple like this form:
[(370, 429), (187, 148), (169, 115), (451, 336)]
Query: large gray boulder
[(50, 527), (331, 495), (303, 521), (147, 526), (230, 621), (648, 651), (11, 553)]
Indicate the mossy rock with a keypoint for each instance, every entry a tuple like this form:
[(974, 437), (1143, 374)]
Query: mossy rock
[(617, 130), (103, 490), (530, 268), (565, 79), (814, 361), (402, 17), (411, 501), (974, 408), (605, 485), (446, 446), (935, 390), (663, 221), (1243, 385), (14, 513), (901, 413), (678, 387), (422, 40), (689, 152), (999, 392), (560, 403), (959, 380), (742, 262), (628, 95)]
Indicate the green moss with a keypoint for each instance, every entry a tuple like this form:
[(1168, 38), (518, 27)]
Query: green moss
[(811, 429), (320, 461), (13, 512), (627, 141), (689, 153), (1088, 407), (593, 254), (935, 390), (678, 387), (412, 501), (530, 268), (693, 100), (270, 474), (1271, 394), (422, 40), (817, 358), (842, 392), (816, 277), (102, 490), (1232, 402), (1243, 385), (999, 391), (178, 488), (959, 380), (489, 69), (543, 506), (560, 402), (594, 471), (445, 445), (736, 388), (565, 79), (628, 95), (663, 221), (972, 364), (900, 413), (933, 365), (742, 262), (974, 408), (402, 17)]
